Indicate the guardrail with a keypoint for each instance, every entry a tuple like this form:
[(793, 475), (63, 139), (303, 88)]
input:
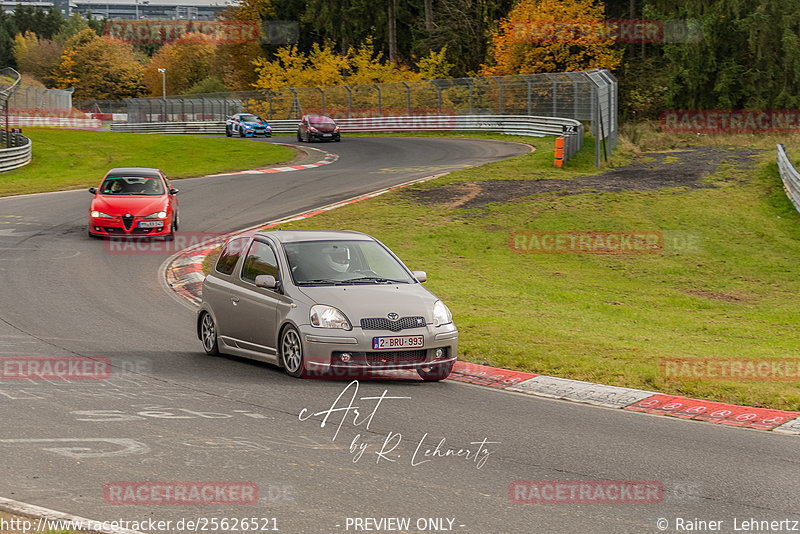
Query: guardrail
[(571, 129), (790, 177), (18, 155)]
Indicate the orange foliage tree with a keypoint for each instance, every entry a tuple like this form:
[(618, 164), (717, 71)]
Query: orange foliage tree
[(99, 67), (187, 60), (529, 40)]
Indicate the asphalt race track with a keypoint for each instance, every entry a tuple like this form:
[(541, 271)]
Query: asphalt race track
[(167, 413)]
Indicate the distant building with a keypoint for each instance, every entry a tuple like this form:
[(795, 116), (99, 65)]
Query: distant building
[(132, 9)]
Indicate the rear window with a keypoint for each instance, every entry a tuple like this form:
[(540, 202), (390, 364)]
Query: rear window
[(229, 255)]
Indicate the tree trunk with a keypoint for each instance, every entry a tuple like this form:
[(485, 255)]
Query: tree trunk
[(392, 23), (429, 16)]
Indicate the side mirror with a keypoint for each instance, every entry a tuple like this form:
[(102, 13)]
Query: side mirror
[(267, 281), (421, 276), (173, 191), (93, 190)]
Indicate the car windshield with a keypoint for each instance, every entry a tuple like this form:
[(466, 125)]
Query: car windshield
[(343, 262), (320, 120), (249, 118), (132, 185)]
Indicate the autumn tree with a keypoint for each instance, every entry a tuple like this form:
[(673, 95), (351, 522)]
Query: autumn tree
[(99, 67), (526, 43), (37, 56), (187, 60)]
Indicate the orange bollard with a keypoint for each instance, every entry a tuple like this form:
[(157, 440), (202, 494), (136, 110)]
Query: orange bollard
[(559, 156)]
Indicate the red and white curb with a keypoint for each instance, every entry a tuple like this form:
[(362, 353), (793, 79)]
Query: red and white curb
[(44, 519), (184, 276), (326, 160)]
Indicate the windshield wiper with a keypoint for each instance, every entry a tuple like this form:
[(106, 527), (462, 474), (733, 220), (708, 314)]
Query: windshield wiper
[(376, 279), (320, 281)]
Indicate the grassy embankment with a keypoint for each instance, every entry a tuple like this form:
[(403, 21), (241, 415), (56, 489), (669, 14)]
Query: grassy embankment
[(68, 159)]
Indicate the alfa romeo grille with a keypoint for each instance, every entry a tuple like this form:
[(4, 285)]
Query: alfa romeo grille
[(127, 220)]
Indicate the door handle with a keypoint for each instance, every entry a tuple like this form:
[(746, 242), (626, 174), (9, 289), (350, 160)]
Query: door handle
[(235, 300)]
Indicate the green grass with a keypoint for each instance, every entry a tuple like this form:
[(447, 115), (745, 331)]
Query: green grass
[(66, 159), (601, 318)]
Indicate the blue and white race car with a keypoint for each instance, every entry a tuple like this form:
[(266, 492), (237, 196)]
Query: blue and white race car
[(247, 125)]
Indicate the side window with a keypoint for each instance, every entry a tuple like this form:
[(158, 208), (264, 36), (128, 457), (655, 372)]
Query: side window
[(260, 260), (229, 255)]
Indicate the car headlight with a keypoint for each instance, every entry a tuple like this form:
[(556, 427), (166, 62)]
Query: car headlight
[(328, 317), (157, 215), (441, 314), (100, 214)]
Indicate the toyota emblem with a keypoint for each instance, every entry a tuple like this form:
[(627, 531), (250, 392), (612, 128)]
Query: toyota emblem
[(393, 316)]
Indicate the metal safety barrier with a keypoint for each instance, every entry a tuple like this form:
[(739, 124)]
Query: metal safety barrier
[(18, 155), (571, 129), (790, 177)]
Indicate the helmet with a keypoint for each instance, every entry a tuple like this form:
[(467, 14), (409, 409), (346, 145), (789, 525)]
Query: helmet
[(337, 257)]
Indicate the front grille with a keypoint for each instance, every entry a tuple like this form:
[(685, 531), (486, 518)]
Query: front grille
[(381, 323), (127, 220), (395, 356)]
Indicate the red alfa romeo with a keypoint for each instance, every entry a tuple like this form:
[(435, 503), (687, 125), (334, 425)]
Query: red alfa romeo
[(134, 202)]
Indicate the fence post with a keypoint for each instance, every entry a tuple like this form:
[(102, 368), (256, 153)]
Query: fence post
[(469, 83), (408, 98), (321, 92), (349, 100), (438, 96), (377, 88)]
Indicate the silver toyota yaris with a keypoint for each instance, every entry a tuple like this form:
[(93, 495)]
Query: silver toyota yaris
[(324, 303)]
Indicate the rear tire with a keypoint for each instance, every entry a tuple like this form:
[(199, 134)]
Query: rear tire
[(208, 334), (299, 137), (435, 373), (228, 132)]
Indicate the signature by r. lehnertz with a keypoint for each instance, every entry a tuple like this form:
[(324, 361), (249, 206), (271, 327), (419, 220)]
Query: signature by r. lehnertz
[(359, 416)]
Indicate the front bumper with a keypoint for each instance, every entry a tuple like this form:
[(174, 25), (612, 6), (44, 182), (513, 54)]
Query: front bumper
[(325, 136), (120, 227), (253, 132), (331, 349)]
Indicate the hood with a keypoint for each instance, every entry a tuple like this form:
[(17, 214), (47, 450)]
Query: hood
[(325, 127), (135, 205), (360, 301), (255, 123)]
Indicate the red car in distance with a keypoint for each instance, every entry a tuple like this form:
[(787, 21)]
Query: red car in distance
[(134, 202), (317, 128)]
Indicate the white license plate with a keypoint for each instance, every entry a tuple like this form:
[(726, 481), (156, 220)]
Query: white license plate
[(150, 224), (397, 342)]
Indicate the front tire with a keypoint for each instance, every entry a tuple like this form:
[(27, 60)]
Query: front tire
[(208, 334), (241, 133), (435, 373), (291, 351)]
